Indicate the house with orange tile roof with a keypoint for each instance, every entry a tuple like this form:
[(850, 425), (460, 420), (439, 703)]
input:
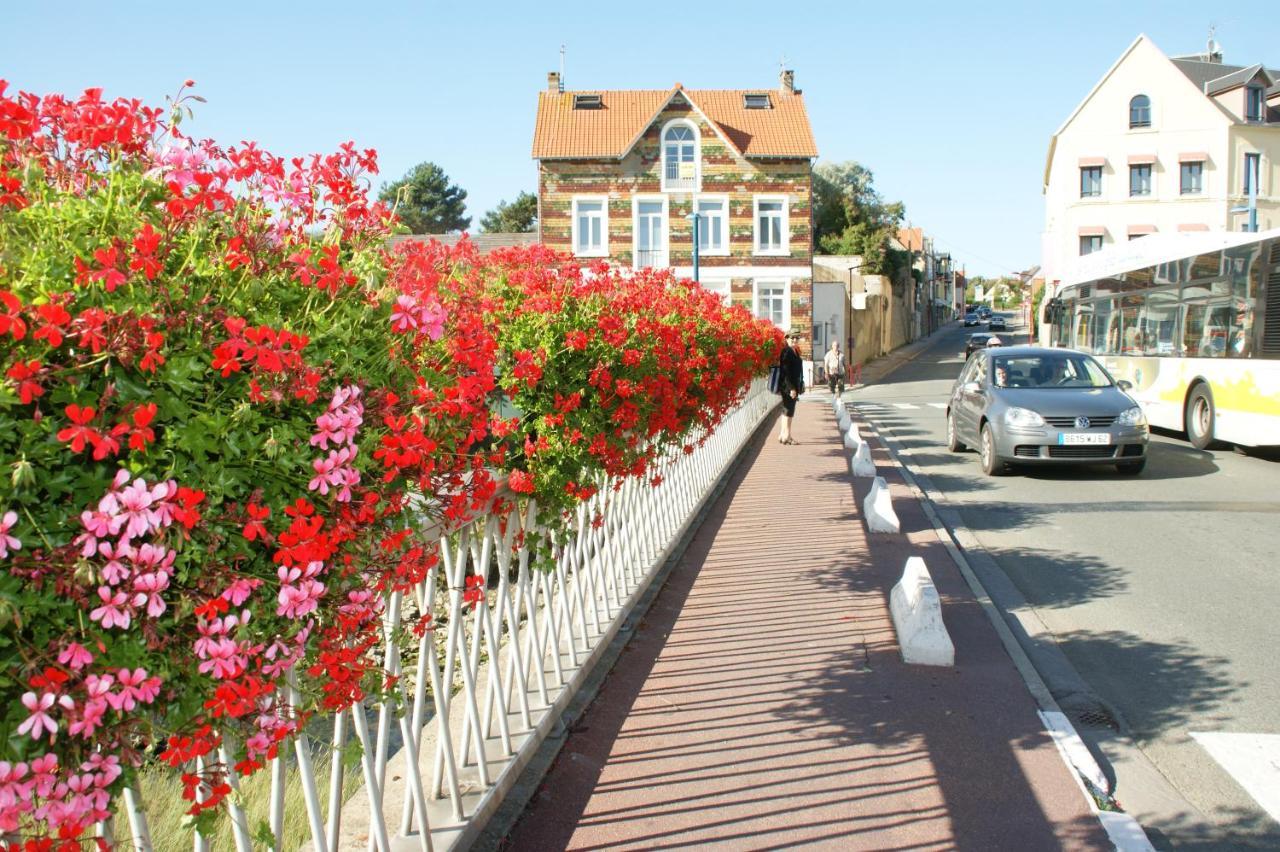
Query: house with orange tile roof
[(621, 173)]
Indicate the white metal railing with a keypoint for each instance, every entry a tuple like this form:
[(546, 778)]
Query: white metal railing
[(472, 706)]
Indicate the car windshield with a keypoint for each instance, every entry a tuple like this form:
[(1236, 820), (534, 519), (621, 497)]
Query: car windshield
[(1049, 371)]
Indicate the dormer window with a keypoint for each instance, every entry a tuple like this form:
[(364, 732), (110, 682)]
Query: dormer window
[(680, 160), (1253, 103), (1140, 111), (587, 102), (755, 100)]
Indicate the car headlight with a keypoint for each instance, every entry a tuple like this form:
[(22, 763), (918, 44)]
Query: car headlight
[(1023, 418), (1132, 417)]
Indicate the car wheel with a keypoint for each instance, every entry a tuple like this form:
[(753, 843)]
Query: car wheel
[(953, 442), (1131, 468), (1199, 418), (991, 465)]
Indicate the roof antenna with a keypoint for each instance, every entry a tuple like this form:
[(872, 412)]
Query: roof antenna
[(1212, 48), (562, 68)]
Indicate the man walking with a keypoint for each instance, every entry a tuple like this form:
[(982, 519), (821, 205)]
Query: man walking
[(833, 363)]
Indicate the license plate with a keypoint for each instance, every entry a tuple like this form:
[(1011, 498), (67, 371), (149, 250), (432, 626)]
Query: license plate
[(1084, 438)]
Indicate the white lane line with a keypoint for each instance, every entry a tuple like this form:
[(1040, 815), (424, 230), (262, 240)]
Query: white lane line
[(1253, 760), (906, 406), (937, 405)]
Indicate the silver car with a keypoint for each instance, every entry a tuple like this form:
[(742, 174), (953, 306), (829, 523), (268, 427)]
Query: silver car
[(1031, 405)]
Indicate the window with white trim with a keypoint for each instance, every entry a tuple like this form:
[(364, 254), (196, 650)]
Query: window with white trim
[(713, 225), (591, 226), (772, 301), (772, 235), (1252, 172), (650, 247), (680, 157), (1254, 103)]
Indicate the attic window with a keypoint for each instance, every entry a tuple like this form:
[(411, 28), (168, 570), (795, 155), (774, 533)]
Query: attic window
[(755, 100), (587, 102)]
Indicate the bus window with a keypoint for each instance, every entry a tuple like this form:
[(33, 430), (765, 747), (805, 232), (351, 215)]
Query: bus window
[(1205, 329), (1131, 337), (1158, 325), (1240, 343)]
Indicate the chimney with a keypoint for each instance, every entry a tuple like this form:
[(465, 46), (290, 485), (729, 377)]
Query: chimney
[(788, 79), (553, 82)]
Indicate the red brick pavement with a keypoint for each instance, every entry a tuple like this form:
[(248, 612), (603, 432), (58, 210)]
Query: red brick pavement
[(763, 703)]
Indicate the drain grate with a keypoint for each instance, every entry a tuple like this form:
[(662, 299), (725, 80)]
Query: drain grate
[(1097, 718)]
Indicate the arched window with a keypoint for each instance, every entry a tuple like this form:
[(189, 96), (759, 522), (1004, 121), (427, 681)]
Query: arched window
[(680, 157), (1140, 111)]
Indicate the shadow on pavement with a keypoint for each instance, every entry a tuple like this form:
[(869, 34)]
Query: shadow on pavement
[(1060, 580)]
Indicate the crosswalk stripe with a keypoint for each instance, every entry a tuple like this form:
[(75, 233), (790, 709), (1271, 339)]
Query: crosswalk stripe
[(1253, 760)]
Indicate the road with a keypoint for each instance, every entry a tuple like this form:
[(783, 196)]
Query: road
[(1148, 604)]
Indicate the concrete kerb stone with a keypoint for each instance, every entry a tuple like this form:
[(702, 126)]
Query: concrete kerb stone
[(862, 462), (917, 617), (852, 437), (878, 509)]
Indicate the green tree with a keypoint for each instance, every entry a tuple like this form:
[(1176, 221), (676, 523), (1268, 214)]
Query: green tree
[(426, 202), (851, 217), (519, 216)]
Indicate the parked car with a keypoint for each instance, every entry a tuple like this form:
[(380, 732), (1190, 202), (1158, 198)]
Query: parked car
[(975, 342), (984, 313), (997, 324), (970, 319), (1031, 405)]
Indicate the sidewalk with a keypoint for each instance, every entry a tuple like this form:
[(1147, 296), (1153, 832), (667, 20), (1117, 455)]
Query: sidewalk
[(763, 702)]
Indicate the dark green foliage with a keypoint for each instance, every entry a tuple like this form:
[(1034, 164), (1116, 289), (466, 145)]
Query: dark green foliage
[(426, 202), (520, 216)]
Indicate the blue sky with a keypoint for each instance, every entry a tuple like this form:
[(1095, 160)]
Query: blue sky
[(950, 107)]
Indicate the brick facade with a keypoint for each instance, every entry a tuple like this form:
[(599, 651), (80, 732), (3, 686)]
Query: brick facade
[(724, 172)]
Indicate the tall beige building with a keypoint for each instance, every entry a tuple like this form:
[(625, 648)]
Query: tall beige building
[(1162, 145)]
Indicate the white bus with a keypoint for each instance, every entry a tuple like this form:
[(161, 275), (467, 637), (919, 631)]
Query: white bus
[(1192, 321)]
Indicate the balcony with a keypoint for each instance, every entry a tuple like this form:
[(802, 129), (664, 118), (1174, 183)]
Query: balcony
[(650, 258)]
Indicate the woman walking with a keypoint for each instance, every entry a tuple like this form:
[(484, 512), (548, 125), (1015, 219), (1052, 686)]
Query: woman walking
[(791, 383)]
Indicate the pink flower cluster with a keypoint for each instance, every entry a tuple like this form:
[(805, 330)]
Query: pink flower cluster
[(135, 575), (8, 542), (339, 425), (300, 591), (409, 314), (39, 790)]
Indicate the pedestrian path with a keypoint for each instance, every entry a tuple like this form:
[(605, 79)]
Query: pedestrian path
[(763, 702)]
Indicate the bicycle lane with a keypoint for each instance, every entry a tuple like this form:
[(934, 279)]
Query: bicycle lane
[(763, 701)]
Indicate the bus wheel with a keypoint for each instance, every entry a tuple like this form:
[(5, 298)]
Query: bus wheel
[(1199, 418)]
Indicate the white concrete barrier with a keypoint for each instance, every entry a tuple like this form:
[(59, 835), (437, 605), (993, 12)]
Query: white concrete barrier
[(917, 617), (878, 507), (862, 463), (837, 405), (842, 419), (852, 439)]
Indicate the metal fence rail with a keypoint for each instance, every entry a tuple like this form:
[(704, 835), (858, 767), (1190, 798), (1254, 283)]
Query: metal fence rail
[(476, 696)]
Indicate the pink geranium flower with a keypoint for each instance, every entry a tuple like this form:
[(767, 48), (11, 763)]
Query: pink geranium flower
[(75, 657), (115, 611), (40, 720), (8, 542)]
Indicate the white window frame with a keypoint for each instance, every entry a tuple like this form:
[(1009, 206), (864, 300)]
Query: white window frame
[(635, 230), (722, 287), (697, 156), (785, 249), (603, 250), (723, 201), (785, 283)]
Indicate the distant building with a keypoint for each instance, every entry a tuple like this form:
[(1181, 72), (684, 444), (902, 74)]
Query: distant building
[(1162, 145), (620, 172)]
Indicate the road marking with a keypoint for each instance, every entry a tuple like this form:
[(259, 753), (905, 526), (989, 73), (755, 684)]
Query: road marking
[(1253, 760), (937, 405), (906, 406)]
